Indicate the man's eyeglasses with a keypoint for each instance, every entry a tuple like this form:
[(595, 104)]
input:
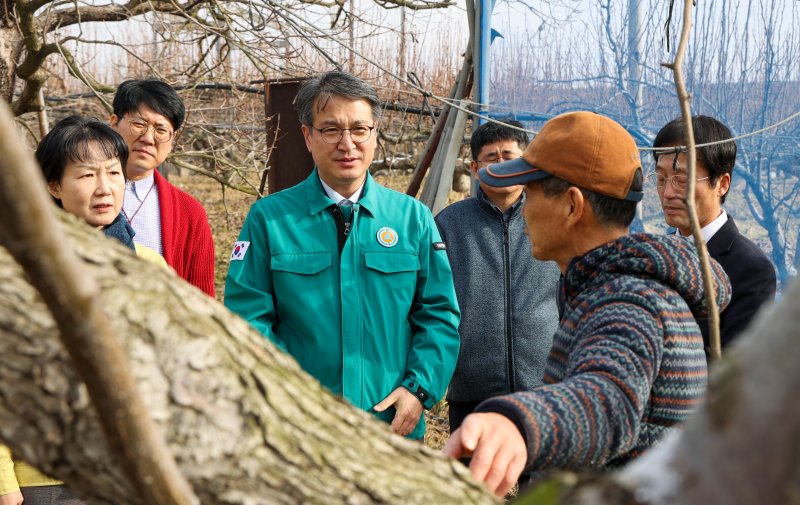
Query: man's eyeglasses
[(678, 181), (333, 135), (161, 134)]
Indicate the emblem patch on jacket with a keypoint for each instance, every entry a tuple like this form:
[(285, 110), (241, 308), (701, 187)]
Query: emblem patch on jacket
[(387, 237), (439, 246), (239, 250)]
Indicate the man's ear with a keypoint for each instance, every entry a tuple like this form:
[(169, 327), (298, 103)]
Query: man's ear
[(55, 189), (307, 136), (723, 185), (113, 120), (473, 169), (575, 204)]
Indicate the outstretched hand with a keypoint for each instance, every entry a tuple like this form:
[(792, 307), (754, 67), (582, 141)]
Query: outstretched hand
[(408, 410), (496, 447)]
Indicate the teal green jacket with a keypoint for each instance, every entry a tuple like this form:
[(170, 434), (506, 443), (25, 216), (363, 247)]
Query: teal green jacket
[(381, 316)]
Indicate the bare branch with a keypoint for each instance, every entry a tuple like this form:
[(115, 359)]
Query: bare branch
[(684, 100)]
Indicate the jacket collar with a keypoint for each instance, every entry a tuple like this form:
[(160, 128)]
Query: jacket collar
[(121, 230), (723, 240), (318, 200), (488, 206)]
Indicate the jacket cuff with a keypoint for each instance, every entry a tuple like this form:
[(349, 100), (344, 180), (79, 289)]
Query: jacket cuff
[(422, 395)]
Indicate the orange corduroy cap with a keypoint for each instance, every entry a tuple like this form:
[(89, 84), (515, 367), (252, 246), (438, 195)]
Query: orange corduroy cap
[(586, 149)]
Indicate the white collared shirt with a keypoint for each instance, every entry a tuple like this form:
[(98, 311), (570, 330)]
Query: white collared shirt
[(336, 197), (143, 213), (711, 228)]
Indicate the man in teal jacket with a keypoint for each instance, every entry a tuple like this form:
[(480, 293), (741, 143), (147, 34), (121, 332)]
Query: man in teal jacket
[(349, 277)]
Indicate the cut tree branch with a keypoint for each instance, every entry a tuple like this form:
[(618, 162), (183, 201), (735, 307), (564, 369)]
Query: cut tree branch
[(684, 100)]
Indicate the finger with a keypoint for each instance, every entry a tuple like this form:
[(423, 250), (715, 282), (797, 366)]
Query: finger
[(484, 455), (397, 423), (453, 447), (471, 430), (498, 473), (409, 423), (404, 421), (386, 402), (515, 468)]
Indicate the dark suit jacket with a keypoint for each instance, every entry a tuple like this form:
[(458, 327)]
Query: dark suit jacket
[(752, 280)]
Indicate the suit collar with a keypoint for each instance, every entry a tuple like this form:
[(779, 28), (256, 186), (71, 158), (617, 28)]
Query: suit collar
[(723, 240)]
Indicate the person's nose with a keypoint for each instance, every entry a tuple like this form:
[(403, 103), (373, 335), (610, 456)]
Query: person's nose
[(149, 135), (346, 142), (103, 184), (670, 191)]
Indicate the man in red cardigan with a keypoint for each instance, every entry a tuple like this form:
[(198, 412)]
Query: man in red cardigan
[(148, 114)]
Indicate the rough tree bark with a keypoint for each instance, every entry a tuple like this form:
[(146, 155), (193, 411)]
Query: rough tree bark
[(244, 423), (10, 49)]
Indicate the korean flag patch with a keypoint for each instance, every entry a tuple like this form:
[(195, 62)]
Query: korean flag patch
[(239, 250)]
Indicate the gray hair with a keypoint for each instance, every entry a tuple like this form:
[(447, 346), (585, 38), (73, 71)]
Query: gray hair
[(315, 93)]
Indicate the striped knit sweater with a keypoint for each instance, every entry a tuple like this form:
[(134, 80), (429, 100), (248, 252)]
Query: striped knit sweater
[(627, 361)]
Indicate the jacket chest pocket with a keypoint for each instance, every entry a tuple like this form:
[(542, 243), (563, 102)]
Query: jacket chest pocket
[(390, 282), (301, 263), (392, 262), (297, 276)]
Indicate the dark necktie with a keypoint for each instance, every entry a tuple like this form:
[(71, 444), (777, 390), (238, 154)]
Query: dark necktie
[(346, 208), (344, 219)]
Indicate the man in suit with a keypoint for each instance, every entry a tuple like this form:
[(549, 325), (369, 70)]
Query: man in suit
[(751, 273)]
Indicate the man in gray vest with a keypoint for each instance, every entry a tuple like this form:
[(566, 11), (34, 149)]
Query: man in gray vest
[(507, 297)]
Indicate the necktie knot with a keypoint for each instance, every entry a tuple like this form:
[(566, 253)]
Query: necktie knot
[(346, 208)]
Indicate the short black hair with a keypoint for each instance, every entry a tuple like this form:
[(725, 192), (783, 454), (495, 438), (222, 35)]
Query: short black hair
[(489, 133), (718, 159), (608, 210), (156, 94), (315, 93), (71, 141)]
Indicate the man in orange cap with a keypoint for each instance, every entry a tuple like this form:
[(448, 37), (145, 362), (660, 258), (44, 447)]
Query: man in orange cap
[(627, 362)]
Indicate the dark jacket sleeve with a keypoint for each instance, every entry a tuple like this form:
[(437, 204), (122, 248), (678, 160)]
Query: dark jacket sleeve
[(753, 281)]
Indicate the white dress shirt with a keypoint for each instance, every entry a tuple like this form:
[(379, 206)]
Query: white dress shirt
[(143, 213), (711, 228)]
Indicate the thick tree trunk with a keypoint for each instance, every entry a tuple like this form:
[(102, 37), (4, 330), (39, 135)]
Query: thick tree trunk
[(245, 424)]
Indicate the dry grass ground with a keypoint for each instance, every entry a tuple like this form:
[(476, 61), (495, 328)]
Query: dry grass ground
[(226, 213)]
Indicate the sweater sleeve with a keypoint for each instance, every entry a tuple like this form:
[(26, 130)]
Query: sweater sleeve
[(8, 480), (200, 263), (595, 414)]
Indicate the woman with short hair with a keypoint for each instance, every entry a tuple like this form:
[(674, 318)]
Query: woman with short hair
[(83, 161)]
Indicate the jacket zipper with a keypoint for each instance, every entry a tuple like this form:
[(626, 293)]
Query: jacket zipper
[(507, 292)]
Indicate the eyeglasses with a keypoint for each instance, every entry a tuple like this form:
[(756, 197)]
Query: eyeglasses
[(678, 181), (494, 159), (138, 127), (333, 135)]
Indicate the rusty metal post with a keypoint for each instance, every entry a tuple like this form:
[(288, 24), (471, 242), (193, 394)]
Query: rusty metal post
[(289, 160)]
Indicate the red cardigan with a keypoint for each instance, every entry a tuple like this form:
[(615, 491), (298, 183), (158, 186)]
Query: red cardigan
[(186, 235)]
